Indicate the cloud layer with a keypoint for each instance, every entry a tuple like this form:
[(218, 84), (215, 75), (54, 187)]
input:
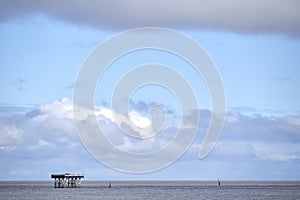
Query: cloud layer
[(44, 140), (243, 16)]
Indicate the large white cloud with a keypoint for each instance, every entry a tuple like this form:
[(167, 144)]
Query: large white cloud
[(44, 140), (257, 16)]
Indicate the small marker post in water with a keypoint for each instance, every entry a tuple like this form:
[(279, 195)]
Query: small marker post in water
[(219, 182), (109, 185)]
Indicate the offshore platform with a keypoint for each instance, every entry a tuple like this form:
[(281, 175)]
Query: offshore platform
[(67, 180)]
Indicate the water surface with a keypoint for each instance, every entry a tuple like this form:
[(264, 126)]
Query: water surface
[(177, 190)]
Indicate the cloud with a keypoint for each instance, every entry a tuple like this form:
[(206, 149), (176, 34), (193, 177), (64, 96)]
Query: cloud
[(44, 140), (10, 135), (283, 79), (21, 83), (279, 151), (242, 16), (262, 138), (15, 108)]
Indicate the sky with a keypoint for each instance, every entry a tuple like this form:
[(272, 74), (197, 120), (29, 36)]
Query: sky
[(254, 45)]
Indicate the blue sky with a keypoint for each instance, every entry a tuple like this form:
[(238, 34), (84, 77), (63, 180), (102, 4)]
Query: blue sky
[(43, 46)]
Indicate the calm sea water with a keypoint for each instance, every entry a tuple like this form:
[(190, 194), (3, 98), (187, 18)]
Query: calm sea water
[(154, 190)]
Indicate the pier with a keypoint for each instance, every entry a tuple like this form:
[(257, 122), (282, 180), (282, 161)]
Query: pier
[(67, 180)]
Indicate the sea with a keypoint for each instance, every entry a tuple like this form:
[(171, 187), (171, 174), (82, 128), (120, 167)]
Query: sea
[(175, 190)]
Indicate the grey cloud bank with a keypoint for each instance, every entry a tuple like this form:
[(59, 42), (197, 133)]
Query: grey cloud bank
[(242, 16)]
